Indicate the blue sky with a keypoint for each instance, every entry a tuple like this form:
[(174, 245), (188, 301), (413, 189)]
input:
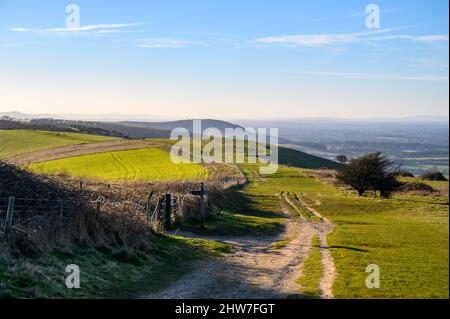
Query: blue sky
[(225, 59)]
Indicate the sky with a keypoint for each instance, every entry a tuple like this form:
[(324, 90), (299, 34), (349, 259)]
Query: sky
[(228, 59)]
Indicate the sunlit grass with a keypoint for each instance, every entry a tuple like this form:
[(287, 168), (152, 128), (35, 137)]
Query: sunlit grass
[(312, 271), (132, 165), (15, 142)]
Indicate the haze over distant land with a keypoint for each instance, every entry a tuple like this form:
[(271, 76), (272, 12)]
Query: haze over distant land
[(420, 143), (274, 121)]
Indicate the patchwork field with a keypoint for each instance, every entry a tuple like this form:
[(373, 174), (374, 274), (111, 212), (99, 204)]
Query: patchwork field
[(15, 142), (148, 164)]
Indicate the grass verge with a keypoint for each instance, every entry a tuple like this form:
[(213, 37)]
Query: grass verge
[(312, 269), (105, 272)]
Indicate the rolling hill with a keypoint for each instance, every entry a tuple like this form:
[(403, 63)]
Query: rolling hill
[(14, 142), (118, 161)]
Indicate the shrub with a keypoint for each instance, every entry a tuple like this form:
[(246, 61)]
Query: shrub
[(404, 173), (417, 187), (434, 176), (370, 172)]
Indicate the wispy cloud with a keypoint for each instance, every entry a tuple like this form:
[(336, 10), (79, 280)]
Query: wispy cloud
[(89, 29), (317, 40), (158, 43), (372, 76)]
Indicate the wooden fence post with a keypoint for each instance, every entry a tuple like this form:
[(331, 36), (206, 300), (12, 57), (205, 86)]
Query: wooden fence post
[(10, 213), (168, 212)]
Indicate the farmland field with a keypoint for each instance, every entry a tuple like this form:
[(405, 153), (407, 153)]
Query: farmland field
[(132, 165), (15, 142)]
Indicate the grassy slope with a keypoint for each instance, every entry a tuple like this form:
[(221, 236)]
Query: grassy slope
[(294, 158), (407, 236), (15, 142), (105, 272), (144, 164), (250, 210), (286, 156)]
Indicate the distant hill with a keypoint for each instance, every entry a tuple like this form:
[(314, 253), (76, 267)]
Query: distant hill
[(130, 129), (187, 124), (56, 126), (133, 129)]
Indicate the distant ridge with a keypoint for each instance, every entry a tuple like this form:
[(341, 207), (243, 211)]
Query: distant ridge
[(130, 129), (187, 124)]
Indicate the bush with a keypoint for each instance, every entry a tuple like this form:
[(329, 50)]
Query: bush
[(404, 173), (434, 176), (370, 172), (417, 187)]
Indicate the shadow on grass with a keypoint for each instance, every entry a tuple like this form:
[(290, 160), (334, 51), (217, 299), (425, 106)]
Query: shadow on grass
[(349, 248), (236, 200)]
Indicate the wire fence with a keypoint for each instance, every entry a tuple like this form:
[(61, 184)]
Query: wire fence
[(36, 215), (162, 208)]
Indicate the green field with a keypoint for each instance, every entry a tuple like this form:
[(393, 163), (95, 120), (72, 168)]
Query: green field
[(149, 164), (15, 142), (406, 236)]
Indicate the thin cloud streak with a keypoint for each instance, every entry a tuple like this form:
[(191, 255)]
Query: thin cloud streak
[(89, 29), (317, 40)]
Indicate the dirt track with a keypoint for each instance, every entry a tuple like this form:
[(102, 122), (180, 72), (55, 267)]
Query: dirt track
[(78, 150), (255, 270)]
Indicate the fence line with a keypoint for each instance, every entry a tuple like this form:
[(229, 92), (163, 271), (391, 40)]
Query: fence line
[(33, 215)]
